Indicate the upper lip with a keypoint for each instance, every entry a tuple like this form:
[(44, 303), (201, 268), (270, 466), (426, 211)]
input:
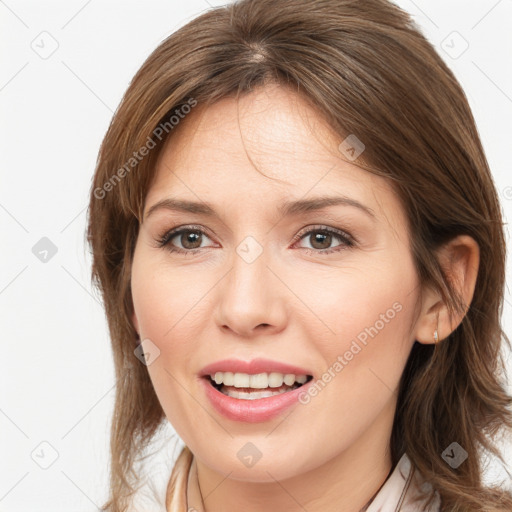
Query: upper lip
[(252, 367)]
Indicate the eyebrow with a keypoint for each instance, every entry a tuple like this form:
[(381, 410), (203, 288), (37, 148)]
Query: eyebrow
[(287, 209)]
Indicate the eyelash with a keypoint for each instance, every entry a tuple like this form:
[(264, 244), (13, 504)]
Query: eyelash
[(348, 240)]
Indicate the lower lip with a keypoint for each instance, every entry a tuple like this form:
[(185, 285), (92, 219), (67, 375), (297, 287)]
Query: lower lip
[(252, 411)]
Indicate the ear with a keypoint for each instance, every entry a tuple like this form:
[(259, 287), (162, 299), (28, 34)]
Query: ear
[(460, 259)]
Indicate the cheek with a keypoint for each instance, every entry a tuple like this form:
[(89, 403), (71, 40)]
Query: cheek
[(360, 302), (364, 337), (166, 299), (164, 305), (364, 362)]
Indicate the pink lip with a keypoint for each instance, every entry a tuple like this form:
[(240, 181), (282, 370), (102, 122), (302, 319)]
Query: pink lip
[(252, 367), (251, 411)]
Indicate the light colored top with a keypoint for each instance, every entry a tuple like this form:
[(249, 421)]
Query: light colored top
[(395, 495)]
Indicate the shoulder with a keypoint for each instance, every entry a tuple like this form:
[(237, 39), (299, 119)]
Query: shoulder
[(401, 490)]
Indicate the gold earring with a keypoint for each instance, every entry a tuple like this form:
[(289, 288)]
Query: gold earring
[(436, 336)]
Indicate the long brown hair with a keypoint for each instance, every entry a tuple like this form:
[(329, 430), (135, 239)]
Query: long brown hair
[(369, 71)]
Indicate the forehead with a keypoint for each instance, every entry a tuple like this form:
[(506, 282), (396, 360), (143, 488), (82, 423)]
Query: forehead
[(214, 155)]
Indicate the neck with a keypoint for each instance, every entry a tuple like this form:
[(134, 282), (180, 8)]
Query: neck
[(345, 483)]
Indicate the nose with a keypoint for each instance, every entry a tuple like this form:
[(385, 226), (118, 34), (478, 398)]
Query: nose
[(251, 298)]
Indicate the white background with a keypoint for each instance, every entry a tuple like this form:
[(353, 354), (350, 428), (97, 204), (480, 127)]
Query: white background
[(57, 382)]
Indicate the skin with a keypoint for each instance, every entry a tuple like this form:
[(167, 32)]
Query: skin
[(331, 454)]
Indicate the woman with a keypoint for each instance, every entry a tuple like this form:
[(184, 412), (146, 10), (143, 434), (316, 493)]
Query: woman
[(301, 254)]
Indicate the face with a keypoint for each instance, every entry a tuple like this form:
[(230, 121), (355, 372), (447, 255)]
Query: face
[(330, 292)]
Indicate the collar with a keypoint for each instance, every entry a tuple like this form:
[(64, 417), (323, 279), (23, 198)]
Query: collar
[(396, 494)]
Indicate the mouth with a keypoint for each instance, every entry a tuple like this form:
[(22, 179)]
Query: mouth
[(244, 386)]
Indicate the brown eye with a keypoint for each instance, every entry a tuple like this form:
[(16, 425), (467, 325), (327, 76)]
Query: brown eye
[(190, 239), (321, 239), (185, 240)]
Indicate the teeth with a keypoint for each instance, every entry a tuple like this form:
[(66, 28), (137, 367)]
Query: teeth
[(241, 380), (275, 380), (229, 379), (289, 379), (258, 381)]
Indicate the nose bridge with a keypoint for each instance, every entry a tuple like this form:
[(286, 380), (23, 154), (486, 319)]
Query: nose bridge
[(250, 294)]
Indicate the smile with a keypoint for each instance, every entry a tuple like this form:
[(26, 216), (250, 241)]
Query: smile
[(253, 404), (244, 386)]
